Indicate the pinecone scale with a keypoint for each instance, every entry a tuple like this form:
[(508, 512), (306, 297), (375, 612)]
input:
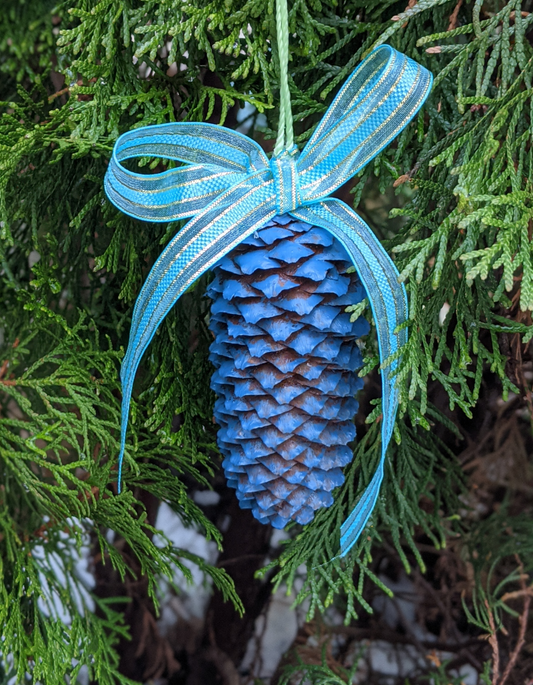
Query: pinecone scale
[(286, 356)]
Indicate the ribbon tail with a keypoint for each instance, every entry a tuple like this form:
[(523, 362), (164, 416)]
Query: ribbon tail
[(354, 525), (227, 221), (388, 301)]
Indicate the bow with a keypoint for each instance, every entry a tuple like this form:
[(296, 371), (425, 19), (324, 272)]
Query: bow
[(230, 189)]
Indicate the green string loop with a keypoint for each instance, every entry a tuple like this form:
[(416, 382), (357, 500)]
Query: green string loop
[(285, 139)]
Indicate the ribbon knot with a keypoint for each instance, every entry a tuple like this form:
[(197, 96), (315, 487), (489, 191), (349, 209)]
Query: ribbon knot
[(286, 181), (225, 185)]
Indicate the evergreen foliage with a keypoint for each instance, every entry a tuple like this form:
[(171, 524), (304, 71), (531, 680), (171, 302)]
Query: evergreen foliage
[(77, 73)]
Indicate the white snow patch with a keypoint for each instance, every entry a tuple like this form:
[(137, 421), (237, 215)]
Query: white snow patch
[(443, 313), (244, 119), (195, 595), (206, 498), (50, 603), (274, 634), (468, 675)]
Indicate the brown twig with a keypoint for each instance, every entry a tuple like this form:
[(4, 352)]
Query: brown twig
[(454, 16), (493, 641), (5, 363), (410, 5), (221, 660), (58, 93), (518, 593), (223, 664), (526, 592), (404, 178)]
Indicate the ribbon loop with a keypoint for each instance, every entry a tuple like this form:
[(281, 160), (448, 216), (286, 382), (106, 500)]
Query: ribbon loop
[(216, 159), (376, 103), (286, 181), (194, 143)]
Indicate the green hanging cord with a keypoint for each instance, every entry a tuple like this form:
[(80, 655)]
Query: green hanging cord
[(285, 139)]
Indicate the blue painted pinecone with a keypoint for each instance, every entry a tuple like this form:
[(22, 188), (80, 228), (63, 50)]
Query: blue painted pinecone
[(285, 354)]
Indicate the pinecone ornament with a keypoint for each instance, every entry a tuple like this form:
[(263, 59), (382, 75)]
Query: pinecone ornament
[(280, 243), (286, 357)]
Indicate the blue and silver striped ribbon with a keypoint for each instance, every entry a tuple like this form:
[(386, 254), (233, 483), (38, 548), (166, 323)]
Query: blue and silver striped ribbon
[(230, 189)]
